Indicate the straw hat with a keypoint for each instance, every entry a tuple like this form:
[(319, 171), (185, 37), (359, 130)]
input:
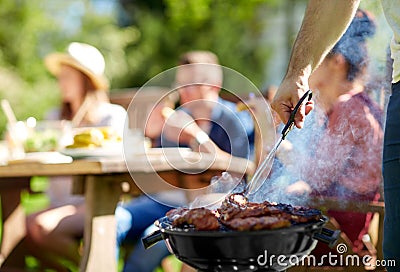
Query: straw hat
[(83, 57)]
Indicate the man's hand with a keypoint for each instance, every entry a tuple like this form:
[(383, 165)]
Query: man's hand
[(286, 98), (180, 127), (323, 24)]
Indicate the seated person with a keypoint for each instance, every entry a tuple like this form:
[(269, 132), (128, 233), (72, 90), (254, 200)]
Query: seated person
[(204, 122), (339, 155), (52, 233)]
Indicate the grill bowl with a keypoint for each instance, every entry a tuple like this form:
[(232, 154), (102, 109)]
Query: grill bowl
[(274, 250)]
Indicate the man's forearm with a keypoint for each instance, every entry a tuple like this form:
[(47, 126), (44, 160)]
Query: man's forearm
[(324, 23)]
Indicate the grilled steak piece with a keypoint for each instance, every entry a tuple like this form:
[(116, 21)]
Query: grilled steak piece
[(250, 216), (237, 213), (257, 223), (174, 214), (229, 211), (303, 215), (200, 218)]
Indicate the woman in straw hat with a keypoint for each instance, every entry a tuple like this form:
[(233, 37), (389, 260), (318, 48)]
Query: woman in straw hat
[(84, 87), (52, 234)]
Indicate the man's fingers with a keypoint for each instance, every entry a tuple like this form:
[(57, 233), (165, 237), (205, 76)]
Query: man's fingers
[(300, 116), (309, 107), (285, 101), (166, 112), (304, 109), (284, 115), (282, 110)]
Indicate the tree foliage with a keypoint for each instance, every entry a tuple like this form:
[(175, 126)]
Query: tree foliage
[(167, 28), (29, 30), (157, 32), (22, 24)]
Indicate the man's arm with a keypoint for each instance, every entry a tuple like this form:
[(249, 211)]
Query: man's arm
[(324, 23), (181, 128)]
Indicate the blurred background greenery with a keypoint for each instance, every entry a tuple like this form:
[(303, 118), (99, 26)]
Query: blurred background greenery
[(141, 38)]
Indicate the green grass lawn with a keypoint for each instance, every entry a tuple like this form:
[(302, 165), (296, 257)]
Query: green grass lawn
[(38, 200)]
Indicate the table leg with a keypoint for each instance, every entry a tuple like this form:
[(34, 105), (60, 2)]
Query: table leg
[(101, 194)]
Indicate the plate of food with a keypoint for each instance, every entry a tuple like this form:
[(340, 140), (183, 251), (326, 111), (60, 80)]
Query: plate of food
[(78, 153), (42, 157), (95, 142)]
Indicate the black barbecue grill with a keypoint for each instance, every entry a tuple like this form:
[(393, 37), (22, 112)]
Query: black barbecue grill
[(227, 250), (255, 250)]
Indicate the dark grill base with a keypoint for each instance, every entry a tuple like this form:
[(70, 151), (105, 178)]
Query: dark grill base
[(230, 251), (241, 265)]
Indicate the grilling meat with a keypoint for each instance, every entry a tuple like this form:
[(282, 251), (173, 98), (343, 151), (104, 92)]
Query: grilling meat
[(298, 214), (257, 223), (266, 215), (237, 214), (230, 210), (200, 218)]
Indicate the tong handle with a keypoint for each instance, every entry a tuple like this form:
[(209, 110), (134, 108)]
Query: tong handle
[(290, 123)]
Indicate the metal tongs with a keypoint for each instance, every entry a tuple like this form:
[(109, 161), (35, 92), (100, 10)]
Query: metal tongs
[(263, 169)]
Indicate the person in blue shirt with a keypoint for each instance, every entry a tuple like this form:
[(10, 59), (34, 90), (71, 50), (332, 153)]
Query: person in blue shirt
[(205, 123)]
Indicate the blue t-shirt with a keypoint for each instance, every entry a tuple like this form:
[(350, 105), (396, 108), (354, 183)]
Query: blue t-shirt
[(232, 131)]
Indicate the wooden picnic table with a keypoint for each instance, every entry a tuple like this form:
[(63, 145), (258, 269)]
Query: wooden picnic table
[(100, 180)]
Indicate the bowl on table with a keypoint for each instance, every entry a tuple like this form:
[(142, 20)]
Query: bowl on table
[(45, 136)]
